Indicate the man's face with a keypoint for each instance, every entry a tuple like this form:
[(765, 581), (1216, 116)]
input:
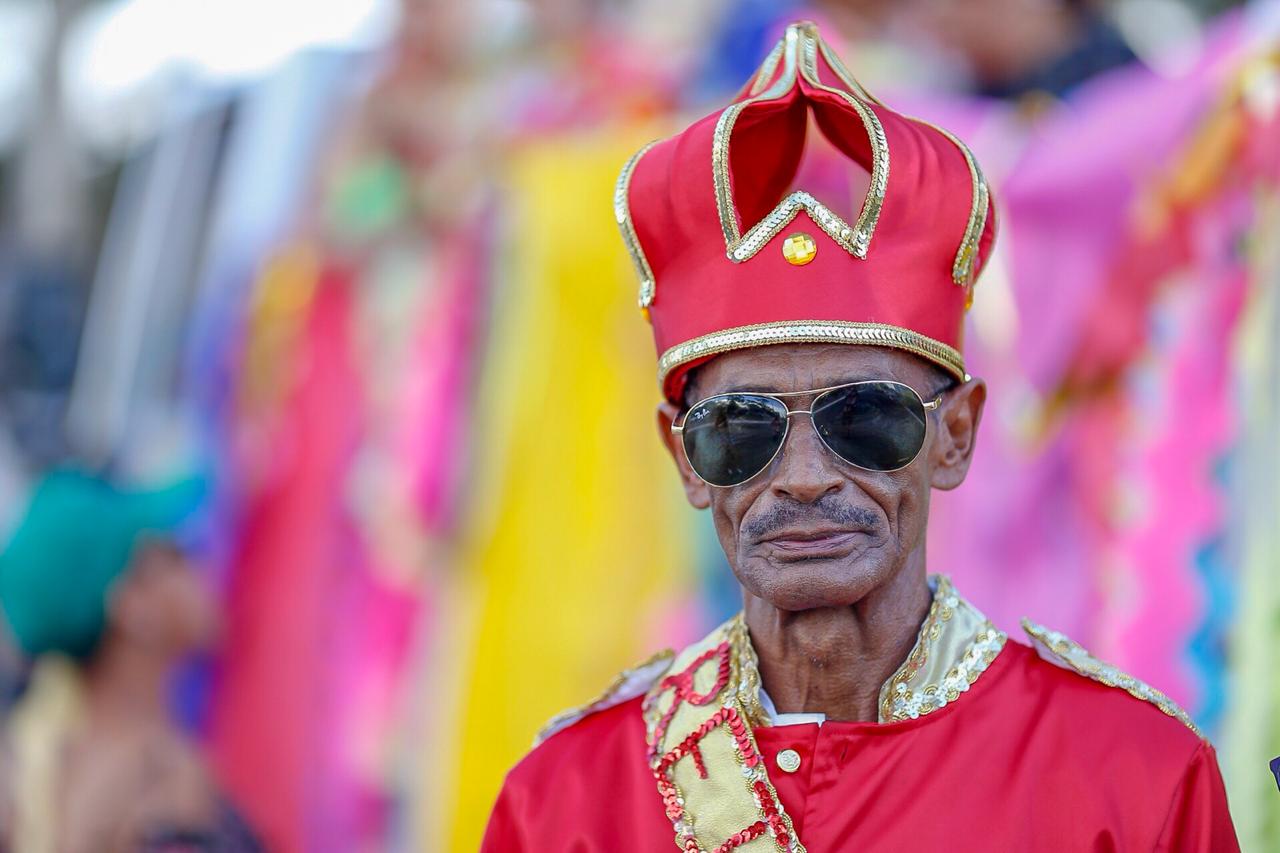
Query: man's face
[(164, 600), (811, 530)]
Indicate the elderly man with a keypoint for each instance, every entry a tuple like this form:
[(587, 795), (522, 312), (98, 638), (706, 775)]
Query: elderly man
[(815, 395)]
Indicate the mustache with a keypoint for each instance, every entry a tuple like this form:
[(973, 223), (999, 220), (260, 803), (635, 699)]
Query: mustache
[(828, 508)]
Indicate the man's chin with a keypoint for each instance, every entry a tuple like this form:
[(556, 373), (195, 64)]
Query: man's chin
[(812, 584)]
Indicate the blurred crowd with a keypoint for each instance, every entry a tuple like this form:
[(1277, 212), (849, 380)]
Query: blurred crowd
[(327, 463)]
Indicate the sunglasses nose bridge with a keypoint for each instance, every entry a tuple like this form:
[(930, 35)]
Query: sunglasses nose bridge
[(791, 436), (803, 467)]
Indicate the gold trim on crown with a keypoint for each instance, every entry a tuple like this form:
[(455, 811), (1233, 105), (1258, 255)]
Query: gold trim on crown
[(813, 332), (846, 76), (765, 72), (798, 53), (967, 256), (622, 213)]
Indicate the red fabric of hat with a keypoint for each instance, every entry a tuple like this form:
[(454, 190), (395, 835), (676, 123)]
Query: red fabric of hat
[(730, 256)]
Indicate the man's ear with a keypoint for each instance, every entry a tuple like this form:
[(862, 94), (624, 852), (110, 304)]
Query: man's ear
[(695, 489), (958, 419)]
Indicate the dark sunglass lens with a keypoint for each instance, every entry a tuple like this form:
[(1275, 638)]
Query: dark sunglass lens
[(875, 425), (730, 439)]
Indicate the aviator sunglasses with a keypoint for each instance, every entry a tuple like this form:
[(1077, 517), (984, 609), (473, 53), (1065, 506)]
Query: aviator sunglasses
[(878, 425)]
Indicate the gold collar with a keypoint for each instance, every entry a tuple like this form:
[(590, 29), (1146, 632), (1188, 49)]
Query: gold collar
[(699, 721), (955, 645)]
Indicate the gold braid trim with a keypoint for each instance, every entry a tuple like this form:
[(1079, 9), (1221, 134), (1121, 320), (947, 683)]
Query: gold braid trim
[(699, 733), (1065, 652), (639, 678), (955, 646), (798, 54), (622, 213), (813, 331)]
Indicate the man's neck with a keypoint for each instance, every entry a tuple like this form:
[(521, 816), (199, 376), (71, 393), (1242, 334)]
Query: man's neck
[(833, 661), (127, 685)]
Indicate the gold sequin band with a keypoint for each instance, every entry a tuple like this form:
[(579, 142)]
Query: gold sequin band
[(1073, 656), (855, 239), (627, 684), (767, 69), (622, 212), (813, 332), (870, 215), (724, 130), (967, 256), (934, 676), (710, 773), (846, 76)]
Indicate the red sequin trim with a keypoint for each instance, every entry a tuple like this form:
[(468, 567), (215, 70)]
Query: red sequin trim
[(682, 685), (731, 719), (738, 839)]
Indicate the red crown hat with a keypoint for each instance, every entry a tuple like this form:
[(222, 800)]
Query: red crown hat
[(728, 258)]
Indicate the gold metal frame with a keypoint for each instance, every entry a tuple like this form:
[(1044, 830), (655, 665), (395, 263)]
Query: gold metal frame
[(678, 429)]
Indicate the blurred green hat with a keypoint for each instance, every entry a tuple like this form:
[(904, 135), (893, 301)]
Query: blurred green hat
[(76, 538)]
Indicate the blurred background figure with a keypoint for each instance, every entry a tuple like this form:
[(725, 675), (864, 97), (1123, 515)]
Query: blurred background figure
[(101, 602), (996, 48), (360, 255)]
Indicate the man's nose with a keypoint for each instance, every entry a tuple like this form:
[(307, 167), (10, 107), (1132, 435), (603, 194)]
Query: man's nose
[(805, 470)]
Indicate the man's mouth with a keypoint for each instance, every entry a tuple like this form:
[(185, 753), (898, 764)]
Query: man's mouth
[(814, 543)]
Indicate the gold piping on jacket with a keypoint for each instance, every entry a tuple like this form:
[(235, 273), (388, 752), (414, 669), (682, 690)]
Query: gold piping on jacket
[(713, 791), (713, 782), (955, 646), (1071, 655), (640, 677)]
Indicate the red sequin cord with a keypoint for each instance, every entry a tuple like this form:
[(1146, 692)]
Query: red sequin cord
[(730, 718), (681, 683)]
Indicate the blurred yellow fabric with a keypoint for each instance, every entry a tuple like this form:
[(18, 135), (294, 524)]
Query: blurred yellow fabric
[(1251, 734), (571, 475)]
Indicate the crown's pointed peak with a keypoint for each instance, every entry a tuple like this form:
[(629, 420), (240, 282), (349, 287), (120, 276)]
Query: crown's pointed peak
[(803, 27), (802, 57)]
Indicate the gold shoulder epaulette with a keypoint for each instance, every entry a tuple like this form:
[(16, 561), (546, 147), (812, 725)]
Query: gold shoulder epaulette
[(1058, 648), (628, 684)]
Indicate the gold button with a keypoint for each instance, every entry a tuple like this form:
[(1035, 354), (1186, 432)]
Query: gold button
[(799, 249), (789, 760)]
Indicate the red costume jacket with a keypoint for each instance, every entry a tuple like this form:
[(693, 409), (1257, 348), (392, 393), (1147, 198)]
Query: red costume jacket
[(983, 745)]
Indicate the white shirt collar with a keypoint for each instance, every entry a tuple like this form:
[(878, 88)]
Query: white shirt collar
[(777, 719)]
